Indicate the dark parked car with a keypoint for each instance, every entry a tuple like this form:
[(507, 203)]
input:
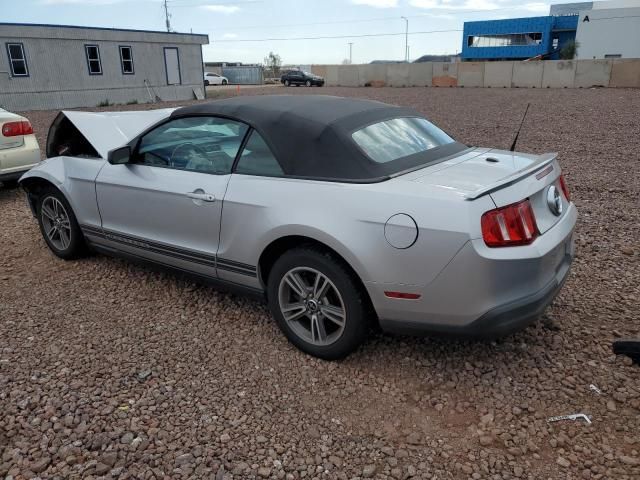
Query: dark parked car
[(299, 77)]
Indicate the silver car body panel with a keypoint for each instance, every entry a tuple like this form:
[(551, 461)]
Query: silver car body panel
[(146, 211), (141, 203), (75, 178)]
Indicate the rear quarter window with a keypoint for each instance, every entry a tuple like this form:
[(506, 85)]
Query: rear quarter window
[(392, 139)]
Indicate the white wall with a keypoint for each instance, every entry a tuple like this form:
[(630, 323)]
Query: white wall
[(609, 32)]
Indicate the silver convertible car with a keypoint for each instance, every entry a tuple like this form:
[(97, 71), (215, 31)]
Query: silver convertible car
[(341, 212)]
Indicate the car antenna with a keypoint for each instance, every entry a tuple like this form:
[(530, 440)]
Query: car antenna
[(515, 140)]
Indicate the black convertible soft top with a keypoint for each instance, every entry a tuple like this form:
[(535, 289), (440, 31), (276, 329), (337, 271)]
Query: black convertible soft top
[(311, 134)]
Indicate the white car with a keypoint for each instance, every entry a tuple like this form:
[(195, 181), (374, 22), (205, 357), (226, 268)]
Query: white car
[(19, 149), (214, 79)]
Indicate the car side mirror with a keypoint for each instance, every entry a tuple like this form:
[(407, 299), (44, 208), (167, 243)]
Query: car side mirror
[(119, 156)]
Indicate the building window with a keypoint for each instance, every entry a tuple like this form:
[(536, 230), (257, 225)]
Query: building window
[(17, 60), (613, 55), (126, 60), (93, 59), (505, 40)]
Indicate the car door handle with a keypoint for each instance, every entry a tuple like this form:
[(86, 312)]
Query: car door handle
[(205, 197)]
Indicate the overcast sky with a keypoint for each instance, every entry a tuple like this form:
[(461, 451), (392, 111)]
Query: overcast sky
[(229, 22)]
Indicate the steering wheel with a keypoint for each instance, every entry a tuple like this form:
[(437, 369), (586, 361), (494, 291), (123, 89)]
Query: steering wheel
[(205, 163)]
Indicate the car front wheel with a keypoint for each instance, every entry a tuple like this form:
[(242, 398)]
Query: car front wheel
[(224, 82), (59, 226), (286, 83), (317, 303)]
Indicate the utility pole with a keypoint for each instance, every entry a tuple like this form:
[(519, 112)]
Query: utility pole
[(166, 16), (350, 53), (406, 39)]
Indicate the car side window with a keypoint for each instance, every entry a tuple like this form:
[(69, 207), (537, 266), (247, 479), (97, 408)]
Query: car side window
[(198, 144), (257, 159)]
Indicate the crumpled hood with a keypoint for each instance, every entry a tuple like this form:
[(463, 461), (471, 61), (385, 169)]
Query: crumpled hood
[(108, 130)]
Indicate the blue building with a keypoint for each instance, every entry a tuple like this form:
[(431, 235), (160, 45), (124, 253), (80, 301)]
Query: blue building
[(517, 38)]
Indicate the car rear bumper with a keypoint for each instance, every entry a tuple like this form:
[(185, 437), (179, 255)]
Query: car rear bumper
[(15, 161), (498, 322), (483, 292)]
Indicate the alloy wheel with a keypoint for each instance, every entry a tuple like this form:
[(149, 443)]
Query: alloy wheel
[(312, 306), (57, 226)]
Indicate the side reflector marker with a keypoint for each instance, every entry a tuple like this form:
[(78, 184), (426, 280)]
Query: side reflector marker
[(402, 295)]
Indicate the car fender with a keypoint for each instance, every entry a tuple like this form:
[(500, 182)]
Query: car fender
[(75, 178), (350, 219), (317, 235)]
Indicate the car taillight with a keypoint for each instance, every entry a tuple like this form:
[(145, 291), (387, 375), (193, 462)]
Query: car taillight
[(509, 226), (13, 129), (565, 189)]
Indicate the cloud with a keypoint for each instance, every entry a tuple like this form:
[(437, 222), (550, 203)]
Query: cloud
[(80, 2), (377, 3), (230, 35), (476, 5), (449, 5), (226, 9), (536, 7)]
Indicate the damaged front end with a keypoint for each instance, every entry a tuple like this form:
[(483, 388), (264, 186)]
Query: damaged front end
[(94, 134)]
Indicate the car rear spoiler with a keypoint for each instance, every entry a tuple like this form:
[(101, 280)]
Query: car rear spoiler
[(538, 164)]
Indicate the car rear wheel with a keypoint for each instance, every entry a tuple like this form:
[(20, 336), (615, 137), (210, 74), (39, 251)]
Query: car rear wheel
[(317, 303), (59, 226), (224, 82), (206, 83), (308, 84), (287, 83)]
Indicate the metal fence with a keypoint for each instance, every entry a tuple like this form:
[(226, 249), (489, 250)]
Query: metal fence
[(244, 75)]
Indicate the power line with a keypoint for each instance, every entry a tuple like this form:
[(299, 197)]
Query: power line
[(221, 4), (235, 40), (366, 20)]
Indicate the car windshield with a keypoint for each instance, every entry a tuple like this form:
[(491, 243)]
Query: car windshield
[(400, 137)]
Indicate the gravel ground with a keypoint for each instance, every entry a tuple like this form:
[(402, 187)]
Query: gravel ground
[(109, 369)]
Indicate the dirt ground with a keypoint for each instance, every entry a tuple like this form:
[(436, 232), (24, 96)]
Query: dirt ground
[(111, 370)]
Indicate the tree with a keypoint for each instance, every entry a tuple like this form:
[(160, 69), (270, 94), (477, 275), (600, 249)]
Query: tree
[(569, 50), (272, 63)]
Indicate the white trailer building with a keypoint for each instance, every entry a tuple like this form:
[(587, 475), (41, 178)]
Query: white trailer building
[(57, 66), (608, 33)]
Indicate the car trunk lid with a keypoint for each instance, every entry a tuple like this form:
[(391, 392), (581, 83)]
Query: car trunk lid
[(507, 177)]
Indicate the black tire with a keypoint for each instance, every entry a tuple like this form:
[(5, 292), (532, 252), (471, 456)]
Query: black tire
[(206, 83), (356, 305), (287, 83), (76, 247), (224, 82), (309, 84)]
